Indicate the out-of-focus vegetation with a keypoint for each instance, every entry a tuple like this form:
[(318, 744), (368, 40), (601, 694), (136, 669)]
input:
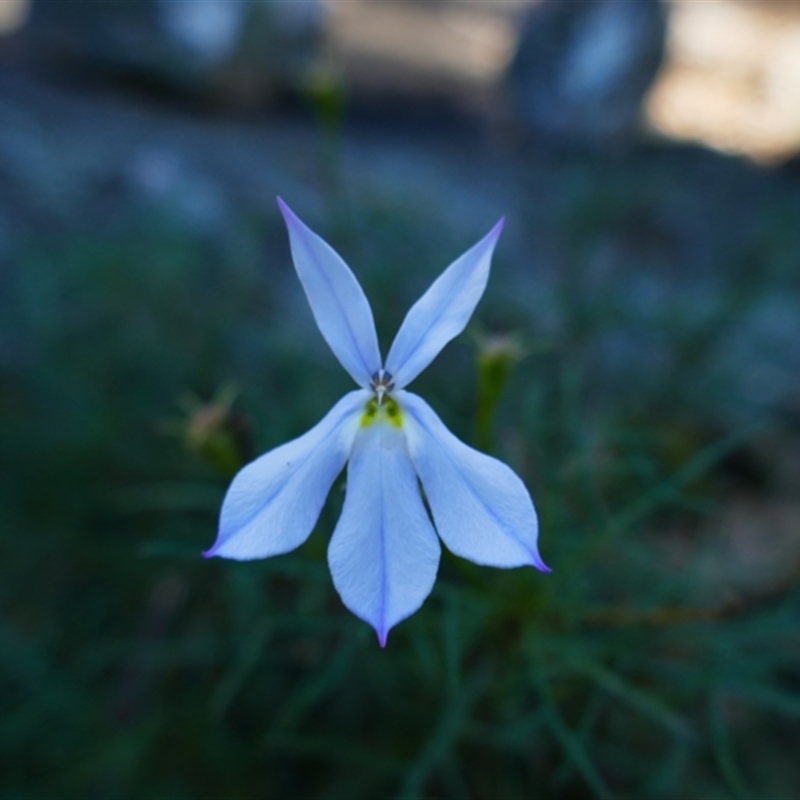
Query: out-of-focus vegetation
[(635, 359), (131, 667)]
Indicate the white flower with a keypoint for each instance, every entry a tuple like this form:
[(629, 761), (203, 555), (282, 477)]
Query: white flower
[(384, 553)]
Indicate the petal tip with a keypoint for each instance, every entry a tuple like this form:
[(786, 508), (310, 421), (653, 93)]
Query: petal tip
[(539, 564), (293, 222), (494, 233), (383, 635), (287, 212), (210, 553)]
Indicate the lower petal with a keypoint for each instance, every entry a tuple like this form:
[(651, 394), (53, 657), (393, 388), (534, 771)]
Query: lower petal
[(274, 502), (384, 553), (481, 508)]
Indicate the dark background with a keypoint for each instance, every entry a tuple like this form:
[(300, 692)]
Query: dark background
[(153, 337)]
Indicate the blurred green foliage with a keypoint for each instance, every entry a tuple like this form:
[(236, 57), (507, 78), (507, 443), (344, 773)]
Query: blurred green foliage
[(131, 667)]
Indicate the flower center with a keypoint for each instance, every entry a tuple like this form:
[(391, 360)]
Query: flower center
[(383, 407), (389, 412), (382, 384)]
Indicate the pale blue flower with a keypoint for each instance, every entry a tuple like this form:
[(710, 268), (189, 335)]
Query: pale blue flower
[(384, 553)]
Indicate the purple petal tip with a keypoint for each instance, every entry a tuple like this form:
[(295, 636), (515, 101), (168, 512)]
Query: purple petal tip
[(293, 222), (383, 635), (539, 564), (498, 228), (288, 215), (209, 553)]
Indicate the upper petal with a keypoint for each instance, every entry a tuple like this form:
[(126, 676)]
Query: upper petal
[(481, 508), (274, 502), (339, 304), (442, 312), (384, 553)]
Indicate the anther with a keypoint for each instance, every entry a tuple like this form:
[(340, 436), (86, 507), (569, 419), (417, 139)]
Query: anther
[(382, 384)]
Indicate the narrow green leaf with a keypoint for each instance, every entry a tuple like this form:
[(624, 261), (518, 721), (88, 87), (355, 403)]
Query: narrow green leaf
[(722, 749), (645, 703), (571, 744)]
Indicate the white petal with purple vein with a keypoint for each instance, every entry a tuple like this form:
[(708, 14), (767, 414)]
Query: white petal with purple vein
[(481, 508), (442, 312), (336, 298), (274, 502), (384, 553)]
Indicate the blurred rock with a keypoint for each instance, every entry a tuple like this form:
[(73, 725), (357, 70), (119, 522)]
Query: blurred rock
[(582, 68), (237, 53), (731, 78)]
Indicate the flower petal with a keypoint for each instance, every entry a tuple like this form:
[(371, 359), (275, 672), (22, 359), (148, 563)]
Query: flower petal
[(384, 553), (337, 300), (274, 502), (442, 312), (481, 508)]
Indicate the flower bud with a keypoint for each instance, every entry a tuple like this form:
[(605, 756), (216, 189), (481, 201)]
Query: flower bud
[(215, 432), (497, 355)]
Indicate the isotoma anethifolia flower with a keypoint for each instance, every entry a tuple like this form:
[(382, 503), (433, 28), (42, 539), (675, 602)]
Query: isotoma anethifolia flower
[(384, 552)]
